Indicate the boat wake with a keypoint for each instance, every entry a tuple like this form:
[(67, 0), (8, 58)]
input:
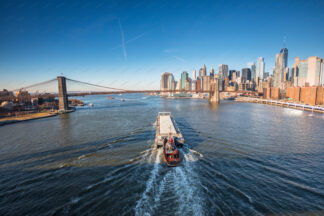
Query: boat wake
[(175, 189), (144, 203)]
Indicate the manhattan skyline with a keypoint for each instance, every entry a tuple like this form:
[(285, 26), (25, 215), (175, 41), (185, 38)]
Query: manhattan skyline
[(110, 42)]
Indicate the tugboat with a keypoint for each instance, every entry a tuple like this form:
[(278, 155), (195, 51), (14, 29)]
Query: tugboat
[(170, 152)]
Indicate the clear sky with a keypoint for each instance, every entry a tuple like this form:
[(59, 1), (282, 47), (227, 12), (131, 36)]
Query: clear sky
[(128, 44)]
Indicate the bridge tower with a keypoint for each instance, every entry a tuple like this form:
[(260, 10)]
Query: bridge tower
[(214, 91), (62, 94)]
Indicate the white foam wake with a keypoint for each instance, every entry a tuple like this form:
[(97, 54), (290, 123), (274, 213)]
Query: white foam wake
[(143, 205)]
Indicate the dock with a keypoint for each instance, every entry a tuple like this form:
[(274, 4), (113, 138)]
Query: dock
[(282, 104)]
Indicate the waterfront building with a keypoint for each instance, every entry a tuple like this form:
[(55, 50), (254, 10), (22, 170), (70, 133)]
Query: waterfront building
[(212, 72), (281, 64), (175, 85), (194, 85), (184, 78), (5, 95), (233, 75), (171, 82), (230, 74), (260, 68), (22, 96), (167, 81), (187, 85), (198, 84), (284, 52), (308, 72), (223, 71), (246, 74), (204, 70), (178, 85), (252, 66), (200, 74), (266, 75), (205, 81), (194, 74)]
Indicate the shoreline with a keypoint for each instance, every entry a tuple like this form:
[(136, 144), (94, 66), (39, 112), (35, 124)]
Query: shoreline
[(282, 104), (29, 117)]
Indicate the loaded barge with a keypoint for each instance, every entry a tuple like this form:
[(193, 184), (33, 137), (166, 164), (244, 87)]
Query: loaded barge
[(168, 136), (166, 126)]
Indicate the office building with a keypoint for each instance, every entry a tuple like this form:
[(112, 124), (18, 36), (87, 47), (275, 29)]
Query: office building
[(246, 75), (212, 72), (260, 68), (223, 71), (252, 66), (184, 78), (308, 72)]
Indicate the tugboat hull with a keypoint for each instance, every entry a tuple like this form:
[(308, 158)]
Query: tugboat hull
[(171, 153)]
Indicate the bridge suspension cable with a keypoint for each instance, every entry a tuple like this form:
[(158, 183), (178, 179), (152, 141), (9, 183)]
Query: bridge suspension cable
[(37, 84), (100, 86)]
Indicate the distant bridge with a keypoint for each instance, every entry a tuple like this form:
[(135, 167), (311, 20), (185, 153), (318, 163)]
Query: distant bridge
[(63, 94)]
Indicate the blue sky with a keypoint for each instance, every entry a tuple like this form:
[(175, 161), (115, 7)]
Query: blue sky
[(128, 44)]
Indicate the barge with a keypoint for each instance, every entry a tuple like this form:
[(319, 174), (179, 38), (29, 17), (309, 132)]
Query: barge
[(166, 127)]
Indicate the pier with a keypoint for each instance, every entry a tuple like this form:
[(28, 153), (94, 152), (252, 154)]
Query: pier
[(282, 104)]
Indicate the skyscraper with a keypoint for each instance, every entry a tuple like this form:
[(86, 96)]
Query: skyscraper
[(260, 68), (184, 78), (246, 74), (309, 71), (167, 81), (281, 64), (204, 72), (194, 74), (284, 52), (251, 65), (212, 72), (230, 74), (223, 71)]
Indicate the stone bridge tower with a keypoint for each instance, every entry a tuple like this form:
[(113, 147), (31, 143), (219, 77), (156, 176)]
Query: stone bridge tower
[(214, 91), (62, 94)]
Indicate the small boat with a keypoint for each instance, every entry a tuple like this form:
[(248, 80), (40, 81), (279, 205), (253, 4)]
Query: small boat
[(109, 97), (122, 100), (170, 152), (91, 104)]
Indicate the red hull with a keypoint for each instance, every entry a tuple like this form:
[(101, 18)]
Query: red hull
[(171, 153)]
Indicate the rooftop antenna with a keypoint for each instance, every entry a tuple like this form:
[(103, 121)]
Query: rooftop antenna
[(284, 42)]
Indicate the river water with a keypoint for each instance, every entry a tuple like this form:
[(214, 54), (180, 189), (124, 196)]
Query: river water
[(238, 159)]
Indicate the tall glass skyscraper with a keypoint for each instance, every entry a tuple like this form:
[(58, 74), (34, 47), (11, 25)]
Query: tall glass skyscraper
[(281, 64), (184, 78), (284, 52), (251, 65), (260, 68)]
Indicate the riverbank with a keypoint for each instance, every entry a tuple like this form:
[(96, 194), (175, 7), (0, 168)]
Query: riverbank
[(319, 109), (31, 116)]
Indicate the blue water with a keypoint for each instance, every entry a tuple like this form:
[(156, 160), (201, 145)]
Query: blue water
[(238, 159)]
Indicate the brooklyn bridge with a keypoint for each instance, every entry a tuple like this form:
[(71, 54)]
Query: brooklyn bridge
[(62, 93)]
